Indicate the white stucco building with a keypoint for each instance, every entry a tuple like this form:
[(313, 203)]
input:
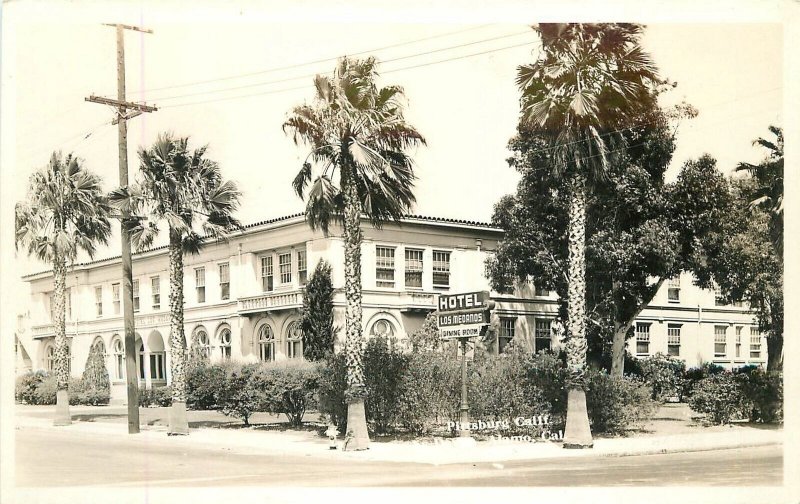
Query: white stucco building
[(243, 299)]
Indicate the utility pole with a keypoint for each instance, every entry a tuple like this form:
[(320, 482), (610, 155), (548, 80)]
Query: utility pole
[(123, 106)]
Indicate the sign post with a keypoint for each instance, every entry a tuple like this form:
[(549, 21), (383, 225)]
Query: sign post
[(461, 317)]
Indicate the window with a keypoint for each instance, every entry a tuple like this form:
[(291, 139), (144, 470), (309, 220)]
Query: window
[(50, 358), (718, 299), (414, 268), (115, 297), (136, 295), (98, 301), (285, 268), (720, 349), (225, 344), (141, 362), (224, 281), (384, 267), (294, 341), (52, 302), (642, 339), (203, 344), (119, 358), (200, 284), (266, 274), (155, 288), (542, 334), (157, 366), (441, 269), (755, 343), (674, 290), (302, 267), (541, 292), (382, 328), (507, 331), (674, 339), (266, 343), (738, 341)]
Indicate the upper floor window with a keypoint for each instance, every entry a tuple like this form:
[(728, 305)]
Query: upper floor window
[(384, 266), (507, 332), (302, 267), (718, 298), (224, 281), (642, 338), (267, 278), (674, 289), (738, 347), (539, 291), (200, 284), (441, 269), (755, 343), (285, 268), (543, 334), (115, 297), (98, 300), (155, 290), (136, 295), (720, 343), (674, 339), (414, 268), (294, 341)]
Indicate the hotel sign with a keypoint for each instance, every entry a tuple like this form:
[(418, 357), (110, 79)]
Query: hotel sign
[(463, 315)]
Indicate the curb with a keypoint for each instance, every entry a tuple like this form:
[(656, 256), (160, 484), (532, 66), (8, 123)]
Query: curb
[(664, 451)]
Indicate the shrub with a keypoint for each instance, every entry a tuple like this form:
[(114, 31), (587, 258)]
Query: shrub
[(720, 398), (205, 384), (429, 392), (289, 387), (664, 375), (332, 386), (692, 377), (46, 391), (240, 396), (546, 376), (763, 391), (384, 363), (617, 404), (26, 385)]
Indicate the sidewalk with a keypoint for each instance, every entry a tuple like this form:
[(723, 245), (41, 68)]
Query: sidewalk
[(441, 451)]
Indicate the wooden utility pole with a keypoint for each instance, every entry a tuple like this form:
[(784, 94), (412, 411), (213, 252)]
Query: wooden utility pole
[(131, 373)]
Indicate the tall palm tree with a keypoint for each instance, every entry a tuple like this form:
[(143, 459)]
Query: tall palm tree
[(64, 212), (357, 164), (186, 191), (587, 84)]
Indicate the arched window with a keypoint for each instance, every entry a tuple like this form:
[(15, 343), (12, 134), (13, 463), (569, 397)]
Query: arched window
[(225, 344), (266, 343), (50, 358), (204, 345), (119, 358), (141, 361), (383, 328), (294, 341)]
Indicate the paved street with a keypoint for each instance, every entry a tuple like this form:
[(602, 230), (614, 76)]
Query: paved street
[(71, 458)]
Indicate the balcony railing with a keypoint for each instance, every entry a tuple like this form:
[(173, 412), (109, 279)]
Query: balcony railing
[(43, 331), (271, 301), (418, 301)]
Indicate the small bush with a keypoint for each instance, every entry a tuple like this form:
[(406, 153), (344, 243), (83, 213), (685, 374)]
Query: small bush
[(617, 404), (763, 392), (384, 363), (45, 393), (241, 396), (289, 387), (331, 390), (429, 392), (205, 384), (26, 385), (664, 375), (692, 377), (720, 398)]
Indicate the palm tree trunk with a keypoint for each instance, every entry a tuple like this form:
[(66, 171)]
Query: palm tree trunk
[(357, 436), (178, 424), (62, 350), (577, 433)]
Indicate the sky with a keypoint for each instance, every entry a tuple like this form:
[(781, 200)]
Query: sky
[(257, 62)]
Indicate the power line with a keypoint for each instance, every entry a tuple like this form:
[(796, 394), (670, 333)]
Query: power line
[(295, 88), (311, 75)]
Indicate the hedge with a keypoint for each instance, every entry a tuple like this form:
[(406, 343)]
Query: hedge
[(39, 388)]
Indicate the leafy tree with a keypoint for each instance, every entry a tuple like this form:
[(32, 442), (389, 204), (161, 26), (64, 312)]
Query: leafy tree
[(95, 374), (316, 321), (186, 191), (358, 139), (589, 81), (64, 212), (426, 338)]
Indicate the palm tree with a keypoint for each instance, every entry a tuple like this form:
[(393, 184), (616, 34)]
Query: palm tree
[(185, 191), (64, 212), (358, 139), (588, 83), (768, 178)]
